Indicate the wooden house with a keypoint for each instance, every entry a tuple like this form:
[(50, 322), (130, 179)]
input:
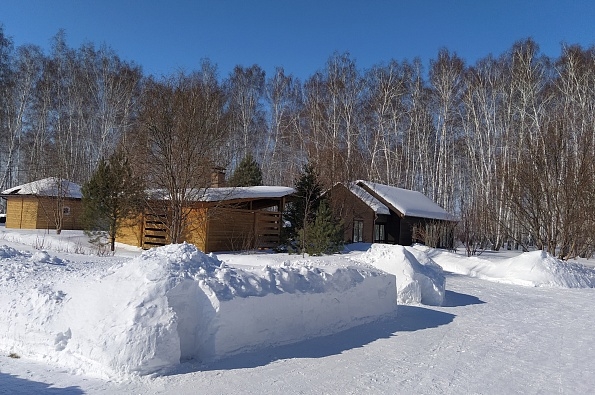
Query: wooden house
[(377, 213), (219, 219), (40, 204)]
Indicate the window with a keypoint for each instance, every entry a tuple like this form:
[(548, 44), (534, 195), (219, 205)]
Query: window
[(66, 210), (358, 231), (379, 233)]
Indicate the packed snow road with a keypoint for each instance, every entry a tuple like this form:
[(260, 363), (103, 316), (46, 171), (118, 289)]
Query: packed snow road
[(488, 338)]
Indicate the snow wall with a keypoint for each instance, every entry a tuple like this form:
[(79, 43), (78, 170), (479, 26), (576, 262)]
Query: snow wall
[(419, 278), (175, 303)]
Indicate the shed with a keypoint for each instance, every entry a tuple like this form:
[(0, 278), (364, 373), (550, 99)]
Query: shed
[(377, 213), (220, 219), (42, 204)]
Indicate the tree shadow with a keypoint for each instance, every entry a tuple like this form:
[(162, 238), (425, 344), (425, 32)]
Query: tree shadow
[(455, 299), (408, 319), (10, 384)]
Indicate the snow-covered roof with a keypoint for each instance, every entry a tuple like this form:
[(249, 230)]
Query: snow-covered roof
[(231, 193), (407, 202), (256, 192), (371, 201), (51, 186)]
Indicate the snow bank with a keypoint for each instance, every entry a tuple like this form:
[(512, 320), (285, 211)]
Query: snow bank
[(419, 278), (535, 269), (174, 303)]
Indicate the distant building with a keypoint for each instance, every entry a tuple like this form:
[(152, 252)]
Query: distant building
[(377, 213), (38, 205)]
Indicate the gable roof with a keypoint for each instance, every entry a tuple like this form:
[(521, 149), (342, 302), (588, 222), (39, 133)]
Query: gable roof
[(407, 202), (376, 205), (50, 187)]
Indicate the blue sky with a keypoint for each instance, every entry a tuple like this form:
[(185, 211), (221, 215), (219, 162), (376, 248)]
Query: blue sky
[(167, 36)]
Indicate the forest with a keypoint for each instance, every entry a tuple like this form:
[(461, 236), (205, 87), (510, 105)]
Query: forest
[(507, 144)]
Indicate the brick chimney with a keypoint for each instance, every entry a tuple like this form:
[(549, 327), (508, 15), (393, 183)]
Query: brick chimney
[(217, 177)]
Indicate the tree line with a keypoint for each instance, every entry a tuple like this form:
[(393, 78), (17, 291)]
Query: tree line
[(507, 143)]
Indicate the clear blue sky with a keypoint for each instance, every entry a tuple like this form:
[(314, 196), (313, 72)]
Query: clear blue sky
[(300, 35)]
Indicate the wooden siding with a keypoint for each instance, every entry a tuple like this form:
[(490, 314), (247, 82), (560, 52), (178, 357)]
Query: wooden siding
[(131, 231), (47, 212), (210, 229), (349, 208), (196, 231), (235, 229), (38, 212), (21, 212)]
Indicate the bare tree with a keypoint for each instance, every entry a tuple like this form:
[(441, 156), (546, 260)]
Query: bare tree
[(182, 126)]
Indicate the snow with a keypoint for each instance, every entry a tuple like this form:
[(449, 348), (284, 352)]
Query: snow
[(368, 199), (174, 320), (534, 269), (419, 278), (174, 303), (408, 202), (231, 193), (255, 192), (47, 187)]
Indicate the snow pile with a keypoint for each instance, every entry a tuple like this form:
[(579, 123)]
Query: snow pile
[(419, 278), (535, 269), (174, 303)]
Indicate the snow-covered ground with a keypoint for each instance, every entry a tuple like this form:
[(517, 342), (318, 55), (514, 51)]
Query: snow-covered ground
[(278, 323)]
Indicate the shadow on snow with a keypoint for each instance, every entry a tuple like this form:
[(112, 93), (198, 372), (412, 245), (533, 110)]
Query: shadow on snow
[(408, 319), (13, 385), (455, 299)]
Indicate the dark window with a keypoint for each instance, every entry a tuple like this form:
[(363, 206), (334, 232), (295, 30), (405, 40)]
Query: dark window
[(358, 231), (379, 233)]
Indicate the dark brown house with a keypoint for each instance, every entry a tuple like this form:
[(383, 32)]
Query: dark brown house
[(377, 213)]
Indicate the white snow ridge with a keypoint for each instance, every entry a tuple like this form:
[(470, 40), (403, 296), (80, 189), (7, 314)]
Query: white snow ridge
[(419, 278), (175, 303)]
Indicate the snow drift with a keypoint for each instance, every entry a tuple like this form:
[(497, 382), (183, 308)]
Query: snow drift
[(419, 278), (534, 269), (174, 303)]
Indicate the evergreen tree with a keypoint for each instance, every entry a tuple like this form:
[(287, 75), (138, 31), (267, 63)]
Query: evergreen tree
[(303, 210), (111, 195), (324, 235), (247, 174)]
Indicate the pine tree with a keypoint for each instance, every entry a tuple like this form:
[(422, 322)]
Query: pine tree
[(303, 210), (247, 174), (324, 235), (111, 195)]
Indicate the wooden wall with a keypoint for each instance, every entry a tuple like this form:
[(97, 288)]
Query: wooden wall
[(230, 230), (21, 212), (48, 207), (38, 212), (213, 229), (131, 231), (196, 230), (348, 207)]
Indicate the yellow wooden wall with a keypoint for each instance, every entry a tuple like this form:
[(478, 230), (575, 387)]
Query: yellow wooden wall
[(48, 207), (131, 231), (38, 212), (21, 212), (196, 229)]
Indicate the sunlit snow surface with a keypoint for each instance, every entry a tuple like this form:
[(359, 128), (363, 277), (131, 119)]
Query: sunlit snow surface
[(75, 318), (174, 303)]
